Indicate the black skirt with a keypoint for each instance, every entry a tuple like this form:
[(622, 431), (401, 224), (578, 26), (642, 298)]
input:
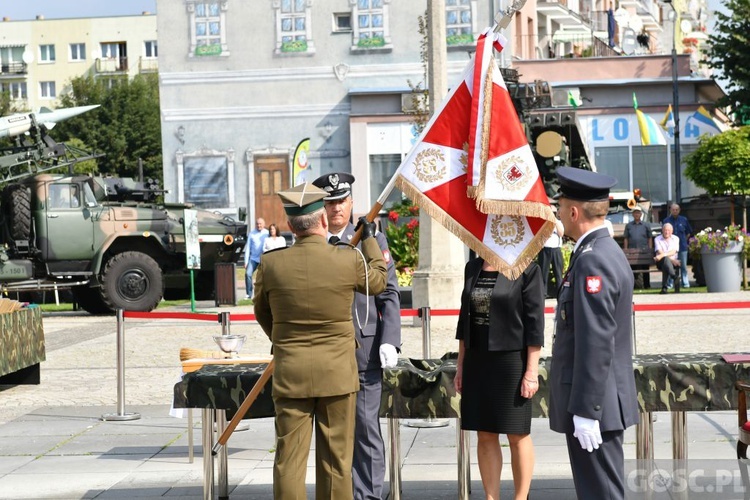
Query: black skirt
[(491, 394)]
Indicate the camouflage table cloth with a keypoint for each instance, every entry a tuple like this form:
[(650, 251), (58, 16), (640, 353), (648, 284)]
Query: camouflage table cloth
[(21, 340), (419, 388)]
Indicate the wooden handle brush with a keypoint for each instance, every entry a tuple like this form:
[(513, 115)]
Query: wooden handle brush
[(190, 353)]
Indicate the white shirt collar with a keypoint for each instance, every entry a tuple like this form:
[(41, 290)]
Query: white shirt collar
[(583, 236)]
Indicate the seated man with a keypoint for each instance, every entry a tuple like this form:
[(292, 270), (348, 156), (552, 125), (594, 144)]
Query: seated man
[(667, 246)]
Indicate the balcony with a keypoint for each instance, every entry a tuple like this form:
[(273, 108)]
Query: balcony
[(112, 65), (559, 12), (647, 11), (148, 65), (13, 69)]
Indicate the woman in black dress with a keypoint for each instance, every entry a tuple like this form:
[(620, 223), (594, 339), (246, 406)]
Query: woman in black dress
[(500, 332)]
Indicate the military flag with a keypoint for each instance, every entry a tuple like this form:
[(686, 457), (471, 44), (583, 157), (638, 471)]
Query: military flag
[(650, 133), (472, 143)]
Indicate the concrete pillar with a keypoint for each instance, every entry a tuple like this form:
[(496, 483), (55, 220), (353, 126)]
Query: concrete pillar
[(439, 277)]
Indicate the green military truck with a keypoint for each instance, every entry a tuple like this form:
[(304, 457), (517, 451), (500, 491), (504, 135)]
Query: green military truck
[(88, 234), (106, 239)]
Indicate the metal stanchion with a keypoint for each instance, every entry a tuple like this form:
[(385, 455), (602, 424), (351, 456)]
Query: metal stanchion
[(225, 322), (464, 462), (121, 415), (394, 436), (424, 313)]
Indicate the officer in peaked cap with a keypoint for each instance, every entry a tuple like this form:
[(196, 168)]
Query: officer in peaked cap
[(379, 336), (592, 389), (337, 185), (306, 311), (583, 185)]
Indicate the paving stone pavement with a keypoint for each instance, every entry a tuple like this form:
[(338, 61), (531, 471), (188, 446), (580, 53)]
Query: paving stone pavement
[(53, 443)]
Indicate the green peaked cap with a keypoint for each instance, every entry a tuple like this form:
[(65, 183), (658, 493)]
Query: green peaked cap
[(302, 199)]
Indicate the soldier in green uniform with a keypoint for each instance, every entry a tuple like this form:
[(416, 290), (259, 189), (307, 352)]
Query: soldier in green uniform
[(303, 301)]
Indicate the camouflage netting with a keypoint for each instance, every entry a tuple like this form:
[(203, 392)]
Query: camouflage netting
[(419, 388), (21, 340)]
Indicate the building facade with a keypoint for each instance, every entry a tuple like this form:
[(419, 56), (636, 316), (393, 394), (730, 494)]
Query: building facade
[(241, 86), (38, 58)]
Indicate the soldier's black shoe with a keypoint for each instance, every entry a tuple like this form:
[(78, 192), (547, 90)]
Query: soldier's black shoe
[(663, 291)]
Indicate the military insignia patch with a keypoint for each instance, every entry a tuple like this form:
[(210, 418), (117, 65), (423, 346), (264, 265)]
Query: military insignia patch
[(387, 256), (593, 284)]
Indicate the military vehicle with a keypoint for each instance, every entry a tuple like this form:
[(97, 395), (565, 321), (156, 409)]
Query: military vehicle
[(106, 239)]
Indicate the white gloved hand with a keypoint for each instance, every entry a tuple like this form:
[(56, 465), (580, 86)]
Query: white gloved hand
[(388, 356), (588, 433)]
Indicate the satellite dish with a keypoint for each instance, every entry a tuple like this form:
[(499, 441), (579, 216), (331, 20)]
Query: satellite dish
[(27, 57), (686, 26), (549, 144), (629, 41), (622, 16)]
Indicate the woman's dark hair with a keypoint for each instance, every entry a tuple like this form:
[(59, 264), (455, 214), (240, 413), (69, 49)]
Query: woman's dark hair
[(275, 228)]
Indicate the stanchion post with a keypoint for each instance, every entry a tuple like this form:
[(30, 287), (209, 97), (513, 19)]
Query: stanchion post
[(224, 320), (121, 415), (207, 439), (223, 477), (464, 470), (394, 436)]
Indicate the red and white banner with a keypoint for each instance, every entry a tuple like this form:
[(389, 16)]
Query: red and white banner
[(435, 175)]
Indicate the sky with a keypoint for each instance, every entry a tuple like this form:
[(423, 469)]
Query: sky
[(19, 10)]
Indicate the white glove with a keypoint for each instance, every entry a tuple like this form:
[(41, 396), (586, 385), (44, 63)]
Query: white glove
[(388, 356), (588, 433)]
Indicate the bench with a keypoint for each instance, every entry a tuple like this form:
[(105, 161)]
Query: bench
[(641, 261)]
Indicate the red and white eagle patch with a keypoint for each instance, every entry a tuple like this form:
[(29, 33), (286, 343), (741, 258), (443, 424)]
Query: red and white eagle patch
[(593, 284), (387, 256)]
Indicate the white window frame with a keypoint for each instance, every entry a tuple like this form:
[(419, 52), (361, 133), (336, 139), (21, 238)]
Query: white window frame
[(47, 55), (195, 40), (280, 35), (47, 90), (336, 25), (357, 32), (17, 90), (77, 52), (153, 46), (471, 26)]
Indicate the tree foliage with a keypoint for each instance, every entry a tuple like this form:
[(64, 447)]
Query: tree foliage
[(729, 52), (125, 127), (721, 164)]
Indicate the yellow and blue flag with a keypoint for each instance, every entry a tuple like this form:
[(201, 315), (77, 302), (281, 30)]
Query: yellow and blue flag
[(703, 117), (650, 133), (668, 122)]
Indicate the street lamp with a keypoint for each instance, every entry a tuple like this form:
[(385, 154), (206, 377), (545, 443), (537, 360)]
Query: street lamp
[(675, 107)]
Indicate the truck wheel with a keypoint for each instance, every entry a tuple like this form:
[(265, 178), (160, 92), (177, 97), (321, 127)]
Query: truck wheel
[(90, 300), (17, 201), (132, 281)]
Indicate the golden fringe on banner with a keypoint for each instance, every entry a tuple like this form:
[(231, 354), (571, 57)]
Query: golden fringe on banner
[(484, 154), (436, 212)]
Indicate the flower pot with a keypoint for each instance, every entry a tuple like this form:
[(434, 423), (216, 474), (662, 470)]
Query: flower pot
[(723, 271)]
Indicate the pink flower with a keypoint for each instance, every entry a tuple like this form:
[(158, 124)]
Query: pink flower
[(412, 224), (409, 235)]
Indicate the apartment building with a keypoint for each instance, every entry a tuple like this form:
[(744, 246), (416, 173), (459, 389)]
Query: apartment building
[(243, 83), (38, 58)]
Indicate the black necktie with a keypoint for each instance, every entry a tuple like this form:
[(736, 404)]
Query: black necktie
[(333, 240)]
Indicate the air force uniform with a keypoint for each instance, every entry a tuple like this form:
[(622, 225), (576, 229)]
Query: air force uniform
[(591, 373)]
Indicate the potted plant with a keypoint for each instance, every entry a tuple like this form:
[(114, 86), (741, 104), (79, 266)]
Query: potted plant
[(721, 253)]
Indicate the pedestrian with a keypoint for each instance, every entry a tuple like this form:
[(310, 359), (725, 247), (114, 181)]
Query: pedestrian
[(667, 249), (551, 256), (303, 297), (377, 324), (638, 235), (500, 333), (274, 239), (253, 250), (682, 229), (592, 387)]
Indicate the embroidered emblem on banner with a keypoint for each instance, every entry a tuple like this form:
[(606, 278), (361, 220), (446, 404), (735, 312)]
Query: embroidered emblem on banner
[(593, 284), (507, 230), (513, 173), (429, 165)]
